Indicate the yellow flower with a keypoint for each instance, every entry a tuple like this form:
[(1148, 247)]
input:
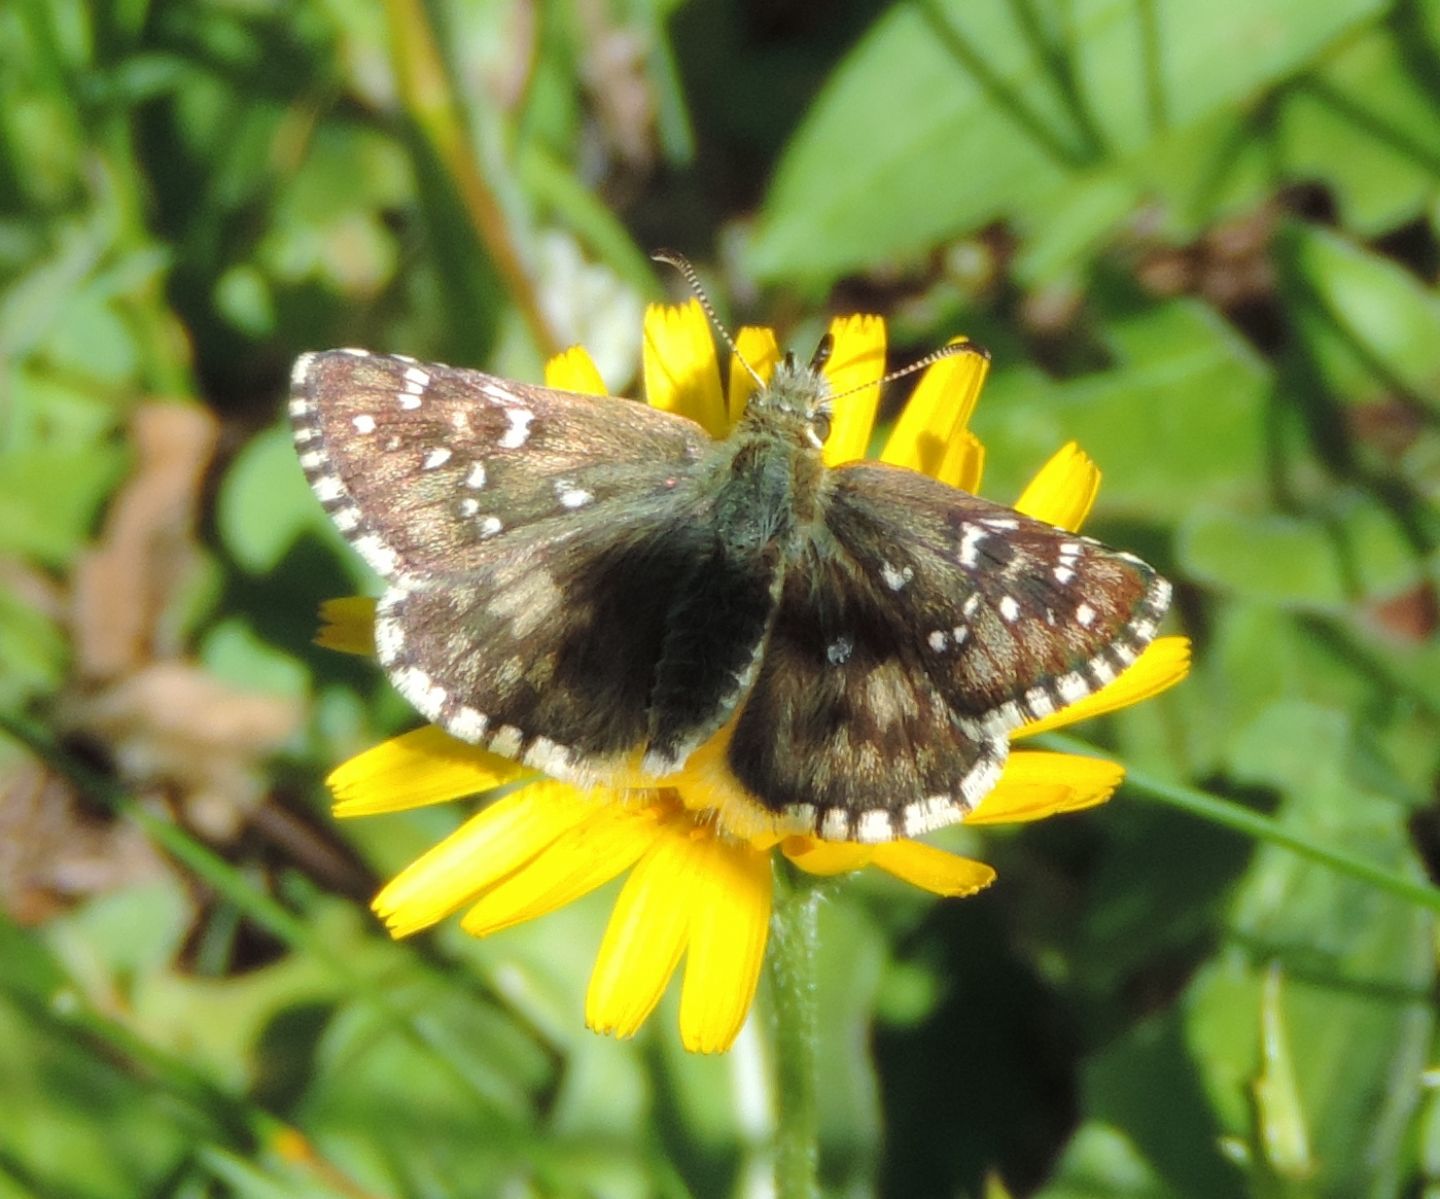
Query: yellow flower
[(699, 876)]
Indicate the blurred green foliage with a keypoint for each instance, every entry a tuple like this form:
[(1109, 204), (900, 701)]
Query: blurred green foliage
[(1203, 240)]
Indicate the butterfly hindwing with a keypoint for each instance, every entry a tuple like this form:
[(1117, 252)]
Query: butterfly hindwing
[(549, 653), (844, 731), (921, 626)]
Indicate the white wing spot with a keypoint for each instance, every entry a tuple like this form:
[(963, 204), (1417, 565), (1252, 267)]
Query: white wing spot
[(575, 497), (364, 423), (416, 380), (328, 489), (971, 603), (1002, 522), (896, 579), (939, 639), (1085, 615), (874, 826), (1063, 574), (1009, 609), (498, 392), (546, 755), (959, 633), (436, 458), (519, 431), (476, 478), (468, 724), (507, 741), (389, 639), (839, 650), (1040, 703), (970, 541), (490, 526), (377, 553), (469, 507)]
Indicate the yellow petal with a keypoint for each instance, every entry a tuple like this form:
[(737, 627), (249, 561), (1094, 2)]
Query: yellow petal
[(485, 849), (575, 370), (964, 462), (827, 857), (932, 869), (1164, 663), (937, 412), (727, 944), (757, 345), (1038, 784), (426, 766), (609, 840), (857, 360), (647, 933), (348, 625), (682, 373), (1061, 494)]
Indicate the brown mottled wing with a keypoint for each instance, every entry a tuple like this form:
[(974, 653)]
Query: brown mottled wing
[(920, 626), (429, 468), (532, 542)]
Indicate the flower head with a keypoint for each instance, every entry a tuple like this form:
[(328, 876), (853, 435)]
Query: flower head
[(698, 861)]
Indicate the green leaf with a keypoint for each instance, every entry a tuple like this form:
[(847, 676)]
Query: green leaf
[(1320, 563), (1283, 1138), (1180, 419), (1100, 1162), (50, 497), (1371, 326), (1358, 962), (954, 113), (1148, 1084), (234, 652), (33, 651), (1366, 122)]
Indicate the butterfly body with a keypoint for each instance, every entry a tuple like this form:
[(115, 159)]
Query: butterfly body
[(595, 587)]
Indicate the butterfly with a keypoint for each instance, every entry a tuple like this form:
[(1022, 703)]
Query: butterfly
[(585, 583)]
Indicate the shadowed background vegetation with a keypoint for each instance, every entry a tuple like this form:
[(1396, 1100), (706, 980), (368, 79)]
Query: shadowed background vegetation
[(1202, 239)]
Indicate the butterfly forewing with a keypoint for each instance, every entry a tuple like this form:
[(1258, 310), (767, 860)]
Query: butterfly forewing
[(1014, 617), (532, 541), (432, 469), (925, 625)]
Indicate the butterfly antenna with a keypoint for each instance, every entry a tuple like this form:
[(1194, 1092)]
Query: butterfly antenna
[(950, 351), (682, 264)]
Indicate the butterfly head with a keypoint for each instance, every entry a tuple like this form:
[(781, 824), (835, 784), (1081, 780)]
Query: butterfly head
[(796, 401)]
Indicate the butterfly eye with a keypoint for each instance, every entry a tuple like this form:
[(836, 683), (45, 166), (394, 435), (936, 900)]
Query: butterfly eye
[(819, 428)]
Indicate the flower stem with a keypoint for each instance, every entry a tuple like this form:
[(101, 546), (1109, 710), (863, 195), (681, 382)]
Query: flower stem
[(1229, 814), (792, 963)]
